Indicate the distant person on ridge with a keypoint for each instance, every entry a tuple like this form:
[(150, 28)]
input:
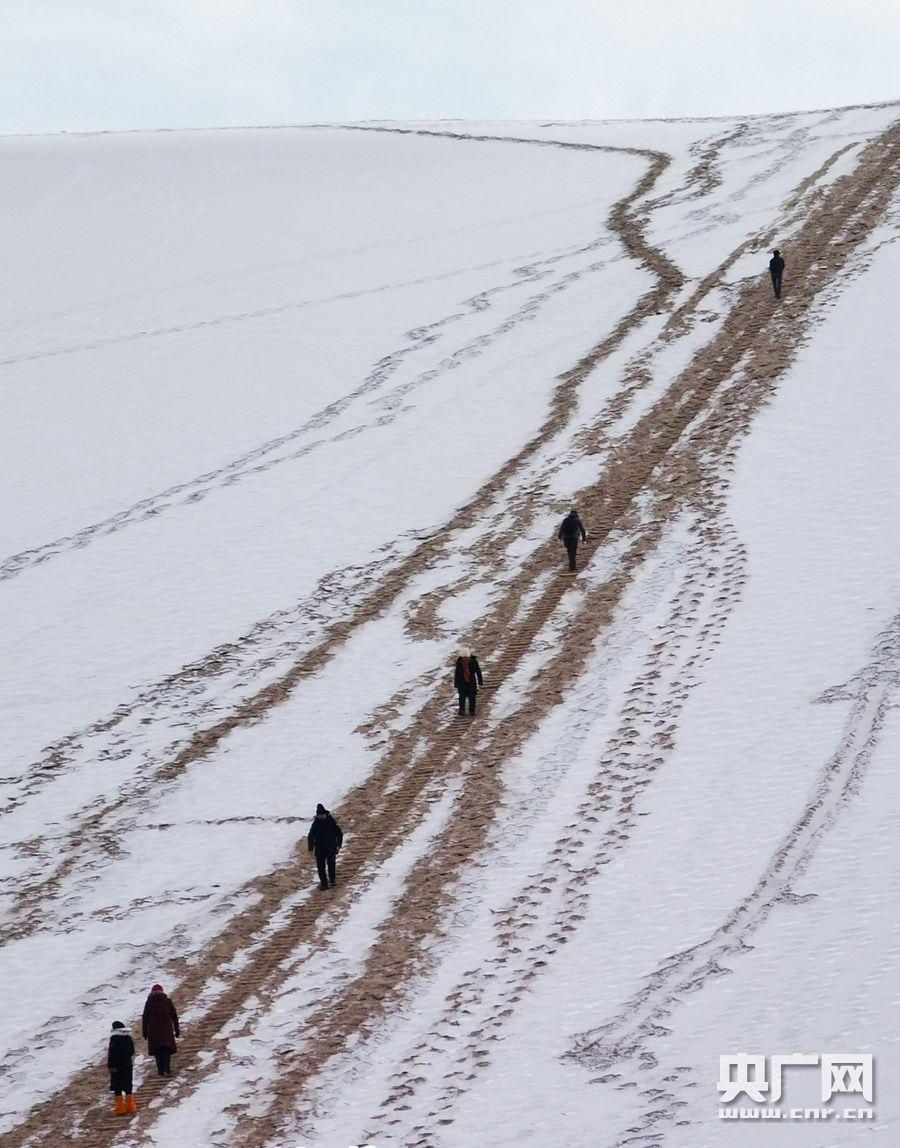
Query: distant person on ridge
[(325, 839), (571, 530), (160, 1027), (776, 270), (467, 678), (119, 1057)]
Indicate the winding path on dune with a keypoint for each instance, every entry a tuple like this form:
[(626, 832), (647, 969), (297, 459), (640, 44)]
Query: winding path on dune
[(670, 464)]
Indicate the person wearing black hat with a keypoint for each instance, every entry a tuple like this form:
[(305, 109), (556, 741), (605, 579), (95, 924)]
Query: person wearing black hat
[(119, 1057), (776, 270), (325, 839), (571, 529)]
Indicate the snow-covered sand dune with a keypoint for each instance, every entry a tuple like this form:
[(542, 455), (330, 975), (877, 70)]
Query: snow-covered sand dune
[(289, 418)]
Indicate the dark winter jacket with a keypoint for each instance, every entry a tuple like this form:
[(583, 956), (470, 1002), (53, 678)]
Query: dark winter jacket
[(571, 527), (325, 836), (459, 677), (776, 265), (121, 1051), (160, 1023)]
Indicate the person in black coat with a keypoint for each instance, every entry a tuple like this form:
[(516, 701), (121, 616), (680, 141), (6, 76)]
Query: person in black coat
[(325, 839), (570, 531), (119, 1057), (467, 678), (776, 270)]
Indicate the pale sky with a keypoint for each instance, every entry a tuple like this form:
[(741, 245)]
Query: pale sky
[(79, 65)]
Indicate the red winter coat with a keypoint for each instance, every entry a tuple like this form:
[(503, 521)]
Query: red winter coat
[(160, 1023)]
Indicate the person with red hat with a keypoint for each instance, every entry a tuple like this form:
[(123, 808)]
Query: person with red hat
[(160, 1028)]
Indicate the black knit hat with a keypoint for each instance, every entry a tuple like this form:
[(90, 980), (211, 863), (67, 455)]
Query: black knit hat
[(117, 1024), (320, 808)]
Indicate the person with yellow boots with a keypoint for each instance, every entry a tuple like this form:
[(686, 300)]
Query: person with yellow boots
[(119, 1059)]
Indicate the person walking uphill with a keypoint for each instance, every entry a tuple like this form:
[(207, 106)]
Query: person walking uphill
[(325, 839), (119, 1057), (467, 678), (160, 1028), (571, 530), (776, 270)]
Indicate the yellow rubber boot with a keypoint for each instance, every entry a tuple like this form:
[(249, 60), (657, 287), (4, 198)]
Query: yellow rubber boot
[(120, 1108), (130, 1105)]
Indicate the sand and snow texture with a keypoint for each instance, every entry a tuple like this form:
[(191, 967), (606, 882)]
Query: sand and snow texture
[(289, 418)]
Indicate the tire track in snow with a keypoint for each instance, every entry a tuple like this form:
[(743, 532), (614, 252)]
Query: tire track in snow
[(821, 249), (398, 952), (264, 457), (628, 1037), (270, 454), (215, 683), (431, 887), (30, 907), (705, 176), (473, 992), (45, 1119), (543, 915)]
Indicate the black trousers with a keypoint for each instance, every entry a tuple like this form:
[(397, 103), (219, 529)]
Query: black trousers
[(325, 861), (163, 1060), (776, 282), (470, 693), (121, 1080), (571, 550)]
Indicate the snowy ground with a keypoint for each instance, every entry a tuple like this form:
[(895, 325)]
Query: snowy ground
[(288, 418)]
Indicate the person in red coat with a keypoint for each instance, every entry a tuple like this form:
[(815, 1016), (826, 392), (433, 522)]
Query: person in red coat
[(160, 1028)]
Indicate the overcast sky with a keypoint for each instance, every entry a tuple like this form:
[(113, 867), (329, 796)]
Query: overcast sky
[(107, 64)]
